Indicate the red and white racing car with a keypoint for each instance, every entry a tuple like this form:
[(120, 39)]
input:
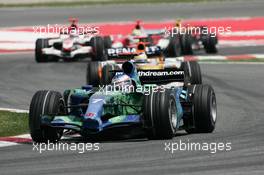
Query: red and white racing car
[(70, 45)]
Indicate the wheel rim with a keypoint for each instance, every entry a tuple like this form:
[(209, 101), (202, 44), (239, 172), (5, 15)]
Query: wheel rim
[(213, 108), (173, 114)]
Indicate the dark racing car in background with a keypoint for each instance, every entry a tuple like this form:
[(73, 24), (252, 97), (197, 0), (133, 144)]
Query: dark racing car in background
[(144, 57), (155, 113), (173, 42), (197, 39)]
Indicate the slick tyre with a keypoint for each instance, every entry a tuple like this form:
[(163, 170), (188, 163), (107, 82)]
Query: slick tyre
[(192, 71), (107, 42), (98, 46), (174, 47), (107, 73), (204, 109), (186, 44), (195, 73), (209, 43), (160, 115), (45, 103), (39, 56), (94, 73)]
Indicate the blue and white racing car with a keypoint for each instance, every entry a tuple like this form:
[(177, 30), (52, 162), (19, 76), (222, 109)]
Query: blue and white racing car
[(124, 108)]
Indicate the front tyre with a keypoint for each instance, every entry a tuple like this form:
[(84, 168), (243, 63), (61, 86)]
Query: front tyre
[(204, 109), (45, 103), (39, 56), (160, 115), (98, 46)]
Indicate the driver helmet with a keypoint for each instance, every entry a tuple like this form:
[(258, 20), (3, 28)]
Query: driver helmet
[(122, 82), (136, 32), (73, 28), (178, 23), (141, 57)]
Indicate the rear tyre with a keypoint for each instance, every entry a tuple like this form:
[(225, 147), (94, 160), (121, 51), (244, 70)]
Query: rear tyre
[(94, 73), (174, 47), (107, 42), (45, 103), (196, 75), (192, 71), (97, 44), (204, 109), (186, 44), (209, 43), (39, 56), (160, 115), (107, 75)]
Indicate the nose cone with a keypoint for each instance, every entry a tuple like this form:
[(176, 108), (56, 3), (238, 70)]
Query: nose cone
[(91, 126), (92, 117), (67, 45)]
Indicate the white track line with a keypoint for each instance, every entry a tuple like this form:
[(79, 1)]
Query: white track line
[(24, 136), (232, 62), (14, 110), (227, 57), (245, 33), (4, 143)]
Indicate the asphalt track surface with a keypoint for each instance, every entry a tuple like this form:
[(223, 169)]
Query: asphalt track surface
[(21, 76), (239, 92)]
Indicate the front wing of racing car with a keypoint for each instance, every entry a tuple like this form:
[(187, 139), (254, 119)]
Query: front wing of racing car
[(84, 50)]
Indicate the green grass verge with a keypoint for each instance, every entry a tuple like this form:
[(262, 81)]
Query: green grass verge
[(13, 123), (99, 2)]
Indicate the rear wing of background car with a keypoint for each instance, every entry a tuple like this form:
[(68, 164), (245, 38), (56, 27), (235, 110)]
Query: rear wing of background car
[(129, 53), (150, 32)]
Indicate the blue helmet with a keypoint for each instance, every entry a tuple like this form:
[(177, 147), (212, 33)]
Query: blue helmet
[(121, 80)]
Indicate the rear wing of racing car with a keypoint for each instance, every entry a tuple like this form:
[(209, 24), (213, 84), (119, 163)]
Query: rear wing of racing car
[(161, 76), (129, 53), (158, 77)]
